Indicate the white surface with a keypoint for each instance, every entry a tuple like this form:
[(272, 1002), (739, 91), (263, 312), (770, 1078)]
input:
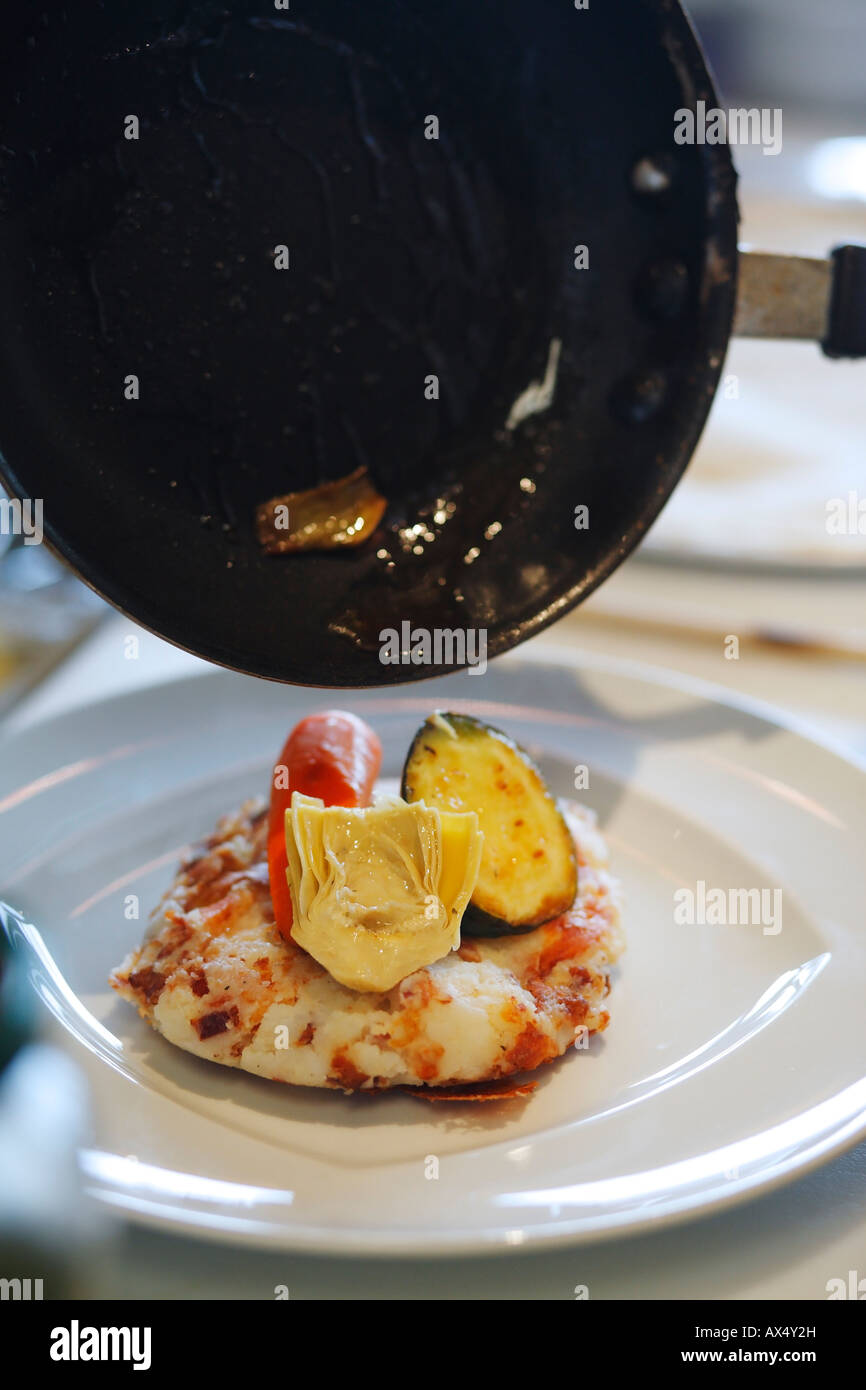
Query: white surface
[(785, 433), (787, 1244), (683, 619), (781, 456)]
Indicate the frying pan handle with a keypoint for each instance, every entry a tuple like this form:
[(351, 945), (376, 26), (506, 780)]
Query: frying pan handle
[(804, 297)]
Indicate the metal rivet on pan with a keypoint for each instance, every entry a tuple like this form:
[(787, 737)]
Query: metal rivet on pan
[(638, 397), (653, 174), (662, 288)]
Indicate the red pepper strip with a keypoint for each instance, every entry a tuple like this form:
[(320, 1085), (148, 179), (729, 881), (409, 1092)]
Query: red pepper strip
[(332, 755)]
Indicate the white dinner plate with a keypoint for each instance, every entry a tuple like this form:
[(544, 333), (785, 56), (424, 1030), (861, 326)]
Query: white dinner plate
[(735, 1054)]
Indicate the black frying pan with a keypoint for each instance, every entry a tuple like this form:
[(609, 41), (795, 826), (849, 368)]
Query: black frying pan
[(408, 258)]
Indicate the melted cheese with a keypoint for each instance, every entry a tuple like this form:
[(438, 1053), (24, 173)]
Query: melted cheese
[(379, 892)]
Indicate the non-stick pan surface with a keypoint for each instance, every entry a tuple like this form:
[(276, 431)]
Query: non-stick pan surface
[(409, 258)]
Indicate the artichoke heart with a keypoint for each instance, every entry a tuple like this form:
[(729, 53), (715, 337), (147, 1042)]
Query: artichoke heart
[(379, 891)]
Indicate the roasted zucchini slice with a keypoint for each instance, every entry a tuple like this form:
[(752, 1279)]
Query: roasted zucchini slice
[(528, 869)]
